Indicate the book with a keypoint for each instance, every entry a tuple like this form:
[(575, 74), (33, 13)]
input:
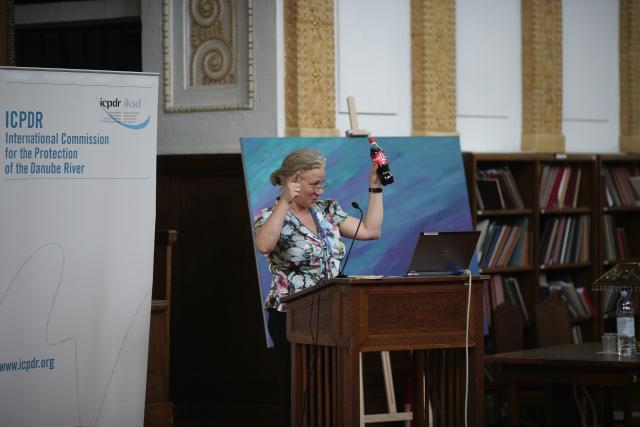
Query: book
[(509, 246), (486, 309), (509, 201), (486, 244), (550, 235), (611, 192), (544, 239), (499, 246), (553, 195), (521, 252), (497, 290), (479, 202), (585, 235), (625, 244), (513, 189), (586, 299), (543, 285), (546, 182), (566, 240), (609, 240), (567, 200), (609, 299), (491, 194), (509, 291), (635, 184), (573, 299), (517, 257), (623, 250), (576, 189), (562, 188), (576, 333), (483, 227), (513, 282), (556, 244)]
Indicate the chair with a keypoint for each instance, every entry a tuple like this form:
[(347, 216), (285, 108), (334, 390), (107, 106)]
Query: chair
[(508, 335), (508, 327), (553, 327), (553, 322)]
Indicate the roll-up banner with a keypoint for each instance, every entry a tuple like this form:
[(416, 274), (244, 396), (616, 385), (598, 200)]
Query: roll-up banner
[(77, 211)]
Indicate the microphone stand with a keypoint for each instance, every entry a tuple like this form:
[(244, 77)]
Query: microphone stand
[(346, 258)]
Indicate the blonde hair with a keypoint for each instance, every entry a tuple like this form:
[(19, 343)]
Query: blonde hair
[(298, 161)]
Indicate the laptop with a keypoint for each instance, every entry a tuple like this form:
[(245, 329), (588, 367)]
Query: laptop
[(443, 253)]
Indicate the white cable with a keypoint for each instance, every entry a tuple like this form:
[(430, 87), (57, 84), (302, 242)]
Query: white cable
[(466, 351)]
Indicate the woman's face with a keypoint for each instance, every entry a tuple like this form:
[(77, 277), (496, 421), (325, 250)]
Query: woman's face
[(311, 187)]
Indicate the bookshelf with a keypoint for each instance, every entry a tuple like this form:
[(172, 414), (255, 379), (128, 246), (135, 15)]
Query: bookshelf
[(619, 220), (560, 215)]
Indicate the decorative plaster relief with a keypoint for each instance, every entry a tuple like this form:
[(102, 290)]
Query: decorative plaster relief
[(207, 55)]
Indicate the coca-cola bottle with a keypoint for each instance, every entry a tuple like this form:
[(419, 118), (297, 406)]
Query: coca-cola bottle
[(378, 157)]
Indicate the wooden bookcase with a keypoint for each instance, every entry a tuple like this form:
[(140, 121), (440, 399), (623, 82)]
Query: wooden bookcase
[(526, 169), (627, 217)]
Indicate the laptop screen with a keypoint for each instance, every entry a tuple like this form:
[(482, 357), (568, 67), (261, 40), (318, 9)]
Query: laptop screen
[(446, 252)]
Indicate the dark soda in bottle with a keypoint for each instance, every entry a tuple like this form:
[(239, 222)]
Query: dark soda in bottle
[(379, 158)]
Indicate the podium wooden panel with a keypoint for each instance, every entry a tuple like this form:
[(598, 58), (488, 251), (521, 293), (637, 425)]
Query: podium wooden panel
[(330, 324)]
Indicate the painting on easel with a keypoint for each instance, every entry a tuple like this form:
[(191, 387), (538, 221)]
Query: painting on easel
[(429, 193)]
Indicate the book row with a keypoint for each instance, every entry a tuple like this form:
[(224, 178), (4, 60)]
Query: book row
[(503, 245), (622, 185), (616, 246), (504, 289), (578, 298), (559, 186), (496, 190), (565, 240)]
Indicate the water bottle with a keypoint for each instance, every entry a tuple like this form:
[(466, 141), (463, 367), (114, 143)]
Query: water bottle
[(626, 325), (379, 158)]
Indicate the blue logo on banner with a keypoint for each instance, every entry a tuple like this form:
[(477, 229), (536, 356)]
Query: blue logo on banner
[(128, 125)]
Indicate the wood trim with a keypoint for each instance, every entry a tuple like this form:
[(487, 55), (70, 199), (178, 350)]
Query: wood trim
[(309, 44), (629, 47), (215, 285), (433, 67), (201, 164), (7, 32), (542, 76)]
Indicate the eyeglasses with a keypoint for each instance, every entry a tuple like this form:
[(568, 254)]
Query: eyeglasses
[(321, 185)]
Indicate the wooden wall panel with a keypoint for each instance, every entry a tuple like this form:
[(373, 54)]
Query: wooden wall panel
[(6, 32), (220, 366)]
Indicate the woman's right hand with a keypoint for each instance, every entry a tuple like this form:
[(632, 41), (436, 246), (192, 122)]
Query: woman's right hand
[(291, 189)]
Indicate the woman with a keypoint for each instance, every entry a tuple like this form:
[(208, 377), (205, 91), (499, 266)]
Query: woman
[(300, 238)]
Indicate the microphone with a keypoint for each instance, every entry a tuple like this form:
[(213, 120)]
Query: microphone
[(346, 258)]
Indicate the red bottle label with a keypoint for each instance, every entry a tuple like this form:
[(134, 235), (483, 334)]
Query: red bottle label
[(379, 158)]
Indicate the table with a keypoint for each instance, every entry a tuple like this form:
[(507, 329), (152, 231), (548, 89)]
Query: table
[(582, 364)]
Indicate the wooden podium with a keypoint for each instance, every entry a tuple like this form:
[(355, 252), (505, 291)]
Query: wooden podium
[(330, 324)]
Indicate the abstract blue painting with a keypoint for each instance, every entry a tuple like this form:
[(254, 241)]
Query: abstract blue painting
[(429, 193)]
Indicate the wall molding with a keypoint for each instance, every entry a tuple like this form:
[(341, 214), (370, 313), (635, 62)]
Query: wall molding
[(207, 55)]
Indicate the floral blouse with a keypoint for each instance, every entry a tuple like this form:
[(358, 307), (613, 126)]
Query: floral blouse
[(302, 258)]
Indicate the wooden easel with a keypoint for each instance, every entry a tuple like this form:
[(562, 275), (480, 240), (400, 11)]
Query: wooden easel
[(392, 414), (353, 119)]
